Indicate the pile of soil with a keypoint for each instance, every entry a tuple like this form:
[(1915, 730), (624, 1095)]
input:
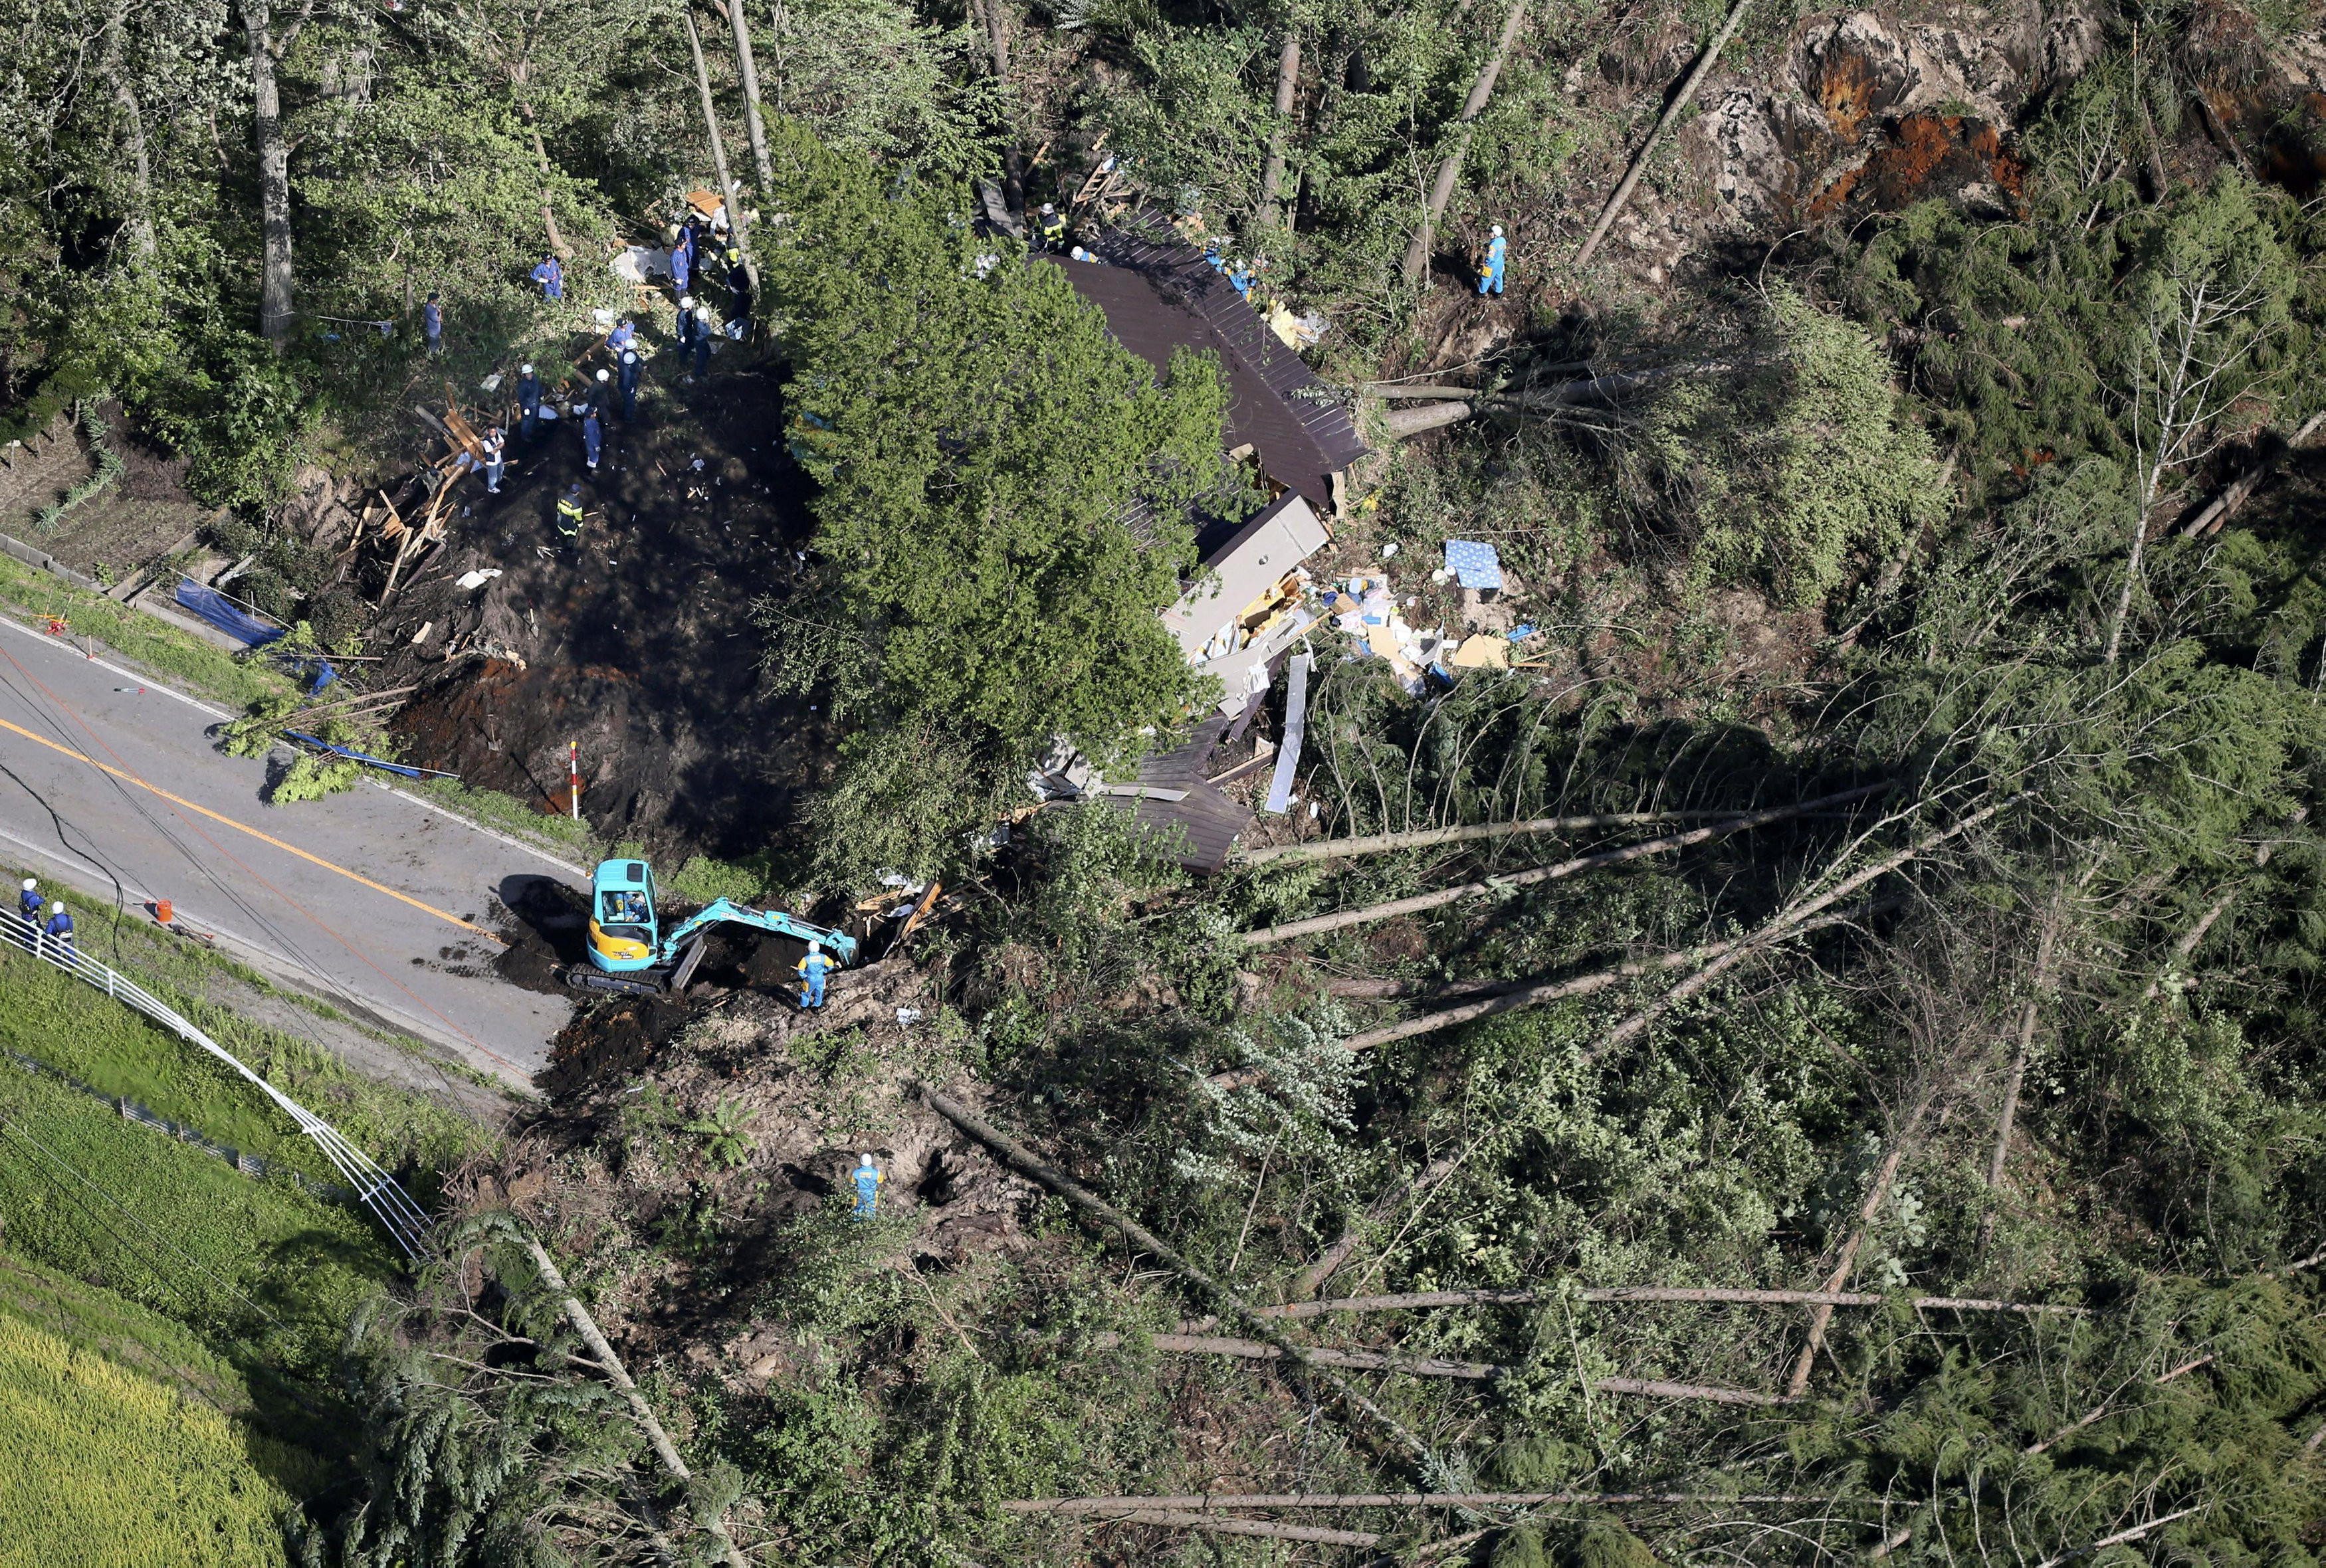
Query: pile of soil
[(638, 645)]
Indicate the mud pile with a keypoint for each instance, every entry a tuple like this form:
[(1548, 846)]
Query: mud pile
[(637, 644)]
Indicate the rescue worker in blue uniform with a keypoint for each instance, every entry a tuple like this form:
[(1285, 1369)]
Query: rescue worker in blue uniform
[(59, 930), (622, 336), (28, 902), (1489, 279), (593, 434), (628, 382), (867, 1178), (528, 402), (550, 277), (812, 971), (703, 329), (432, 323), (681, 262)]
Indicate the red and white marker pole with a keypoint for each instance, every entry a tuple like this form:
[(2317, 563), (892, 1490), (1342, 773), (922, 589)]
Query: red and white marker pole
[(574, 776)]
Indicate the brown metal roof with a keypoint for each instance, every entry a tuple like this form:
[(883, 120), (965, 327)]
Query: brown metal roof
[(1159, 294), (1209, 822)]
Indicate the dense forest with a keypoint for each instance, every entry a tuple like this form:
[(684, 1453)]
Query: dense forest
[(1821, 1060)]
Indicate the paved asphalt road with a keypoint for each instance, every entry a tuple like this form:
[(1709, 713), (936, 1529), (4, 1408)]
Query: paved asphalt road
[(372, 899)]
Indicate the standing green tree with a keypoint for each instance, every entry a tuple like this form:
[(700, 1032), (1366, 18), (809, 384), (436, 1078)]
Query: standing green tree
[(982, 447)]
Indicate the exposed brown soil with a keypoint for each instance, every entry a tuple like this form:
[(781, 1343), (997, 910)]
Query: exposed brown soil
[(141, 513), (638, 645)]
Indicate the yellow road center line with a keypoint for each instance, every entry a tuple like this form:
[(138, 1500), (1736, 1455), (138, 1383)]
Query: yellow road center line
[(254, 832)]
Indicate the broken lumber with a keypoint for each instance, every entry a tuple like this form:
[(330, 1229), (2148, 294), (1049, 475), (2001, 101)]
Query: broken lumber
[(1138, 1236), (1193, 1500), (1623, 193), (1424, 837), (1565, 869)]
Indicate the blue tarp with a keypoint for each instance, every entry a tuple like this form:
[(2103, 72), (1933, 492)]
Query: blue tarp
[(226, 614), (373, 761), (248, 627)]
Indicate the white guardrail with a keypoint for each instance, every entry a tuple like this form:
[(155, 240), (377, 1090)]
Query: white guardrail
[(404, 1220)]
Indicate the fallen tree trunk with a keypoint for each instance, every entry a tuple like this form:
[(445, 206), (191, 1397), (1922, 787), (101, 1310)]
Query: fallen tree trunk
[(1785, 922), (2008, 1113), (1435, 1367), (1320, 924), (1401, 1501), (1424, 837), (1623, 193), (2240, 490), (1138, 1235), (1821, 1315), (1511, 999), (1441, 189), (1658, 1293), (1404, 423), (665, 1451)]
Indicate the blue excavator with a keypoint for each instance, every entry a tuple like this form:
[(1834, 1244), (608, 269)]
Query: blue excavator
[(629, 957)]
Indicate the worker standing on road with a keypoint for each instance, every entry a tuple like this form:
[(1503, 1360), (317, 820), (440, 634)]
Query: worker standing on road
[(629, 384), (550, 277), (528, 402), (1489, 279), (496, 446), (812, 971), (569, 514), (59, 930), (593, 434), (432, 322), (28, 902), (867, 1177)]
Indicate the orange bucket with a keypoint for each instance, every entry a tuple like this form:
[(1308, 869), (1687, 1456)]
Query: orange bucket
[(162, 910)]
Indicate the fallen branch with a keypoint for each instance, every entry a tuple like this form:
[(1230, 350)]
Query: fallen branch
[(2046, 945), (1623, 193), (1399, 1500), (1422, 838), (1435, 1367), (2119, 1539), (2105, 1406), (1540, 874), (1138, 1235), (1311, 1279), (2195, 935), (1821, 1315)]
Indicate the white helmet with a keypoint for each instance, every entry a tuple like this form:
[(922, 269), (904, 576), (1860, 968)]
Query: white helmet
[(629, 357), (814, 946), (865, 1161), (524, 370), (603, 375), (57, 908), (686, 302), (31, 883), (1498, 231), (702, 312), (1048, 209)]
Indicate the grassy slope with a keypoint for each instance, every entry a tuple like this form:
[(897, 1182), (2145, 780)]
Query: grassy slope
[(99, 1466), (60, 1022)]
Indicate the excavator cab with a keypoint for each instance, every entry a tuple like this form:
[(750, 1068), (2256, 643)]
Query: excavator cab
[(622, 934)]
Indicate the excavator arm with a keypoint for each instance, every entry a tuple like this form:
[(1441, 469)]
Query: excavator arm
[(838, 943)]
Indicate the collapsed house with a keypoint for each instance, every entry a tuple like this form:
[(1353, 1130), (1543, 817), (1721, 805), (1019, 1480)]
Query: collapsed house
[(1247, 610)]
